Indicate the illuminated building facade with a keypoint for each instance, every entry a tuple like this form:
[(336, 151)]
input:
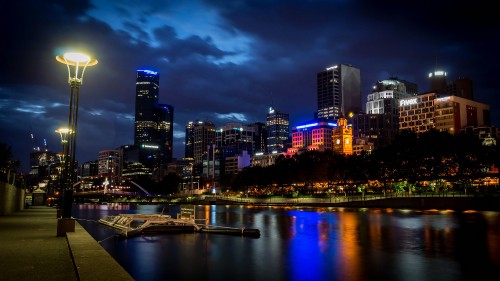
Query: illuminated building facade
[(110, 163), (338, 91), (362, 144), (153, 127), (135, 170), (447, 113), (278, 130), (453, 113), (385, 96), (417, 113), (264, 160), (342, 138), (313, 135)]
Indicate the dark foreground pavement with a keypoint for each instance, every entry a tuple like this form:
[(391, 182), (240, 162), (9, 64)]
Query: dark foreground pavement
[(31, 250)]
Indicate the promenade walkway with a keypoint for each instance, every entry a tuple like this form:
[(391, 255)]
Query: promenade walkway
[(31, 250)]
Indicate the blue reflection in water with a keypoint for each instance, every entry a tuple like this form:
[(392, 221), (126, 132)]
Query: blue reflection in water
[(309, 244)]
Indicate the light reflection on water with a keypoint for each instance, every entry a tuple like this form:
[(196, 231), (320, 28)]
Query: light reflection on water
[(309, 244)]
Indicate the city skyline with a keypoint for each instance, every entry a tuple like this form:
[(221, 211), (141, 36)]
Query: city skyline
[(222, 62)]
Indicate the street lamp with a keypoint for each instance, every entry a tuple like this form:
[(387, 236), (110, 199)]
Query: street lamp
[(76, 64), (64, 134)]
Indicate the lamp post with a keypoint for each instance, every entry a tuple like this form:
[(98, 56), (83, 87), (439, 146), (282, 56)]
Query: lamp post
[(64, 134), (76, 64)]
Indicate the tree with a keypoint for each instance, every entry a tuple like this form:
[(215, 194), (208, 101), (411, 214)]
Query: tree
[(169, 184)]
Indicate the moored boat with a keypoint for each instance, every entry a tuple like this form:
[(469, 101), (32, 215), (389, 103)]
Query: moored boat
[(135, 224)]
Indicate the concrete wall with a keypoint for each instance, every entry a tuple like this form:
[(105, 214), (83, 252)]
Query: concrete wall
[(11, 198)]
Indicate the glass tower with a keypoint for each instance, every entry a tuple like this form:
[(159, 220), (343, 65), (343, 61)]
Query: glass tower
[(338, 91), (278, 130), (153, 128)]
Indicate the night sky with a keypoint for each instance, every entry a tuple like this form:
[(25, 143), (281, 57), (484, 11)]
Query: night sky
[(223, 61)]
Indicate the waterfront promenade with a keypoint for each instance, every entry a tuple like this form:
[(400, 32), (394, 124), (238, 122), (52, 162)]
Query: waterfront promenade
[(31, 250)]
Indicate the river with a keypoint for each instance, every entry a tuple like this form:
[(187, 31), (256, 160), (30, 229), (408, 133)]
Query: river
[(308, 244)]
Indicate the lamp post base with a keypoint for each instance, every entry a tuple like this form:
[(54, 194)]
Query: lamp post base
[(65, 225)]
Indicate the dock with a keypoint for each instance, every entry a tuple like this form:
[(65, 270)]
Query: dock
[(131, 225)]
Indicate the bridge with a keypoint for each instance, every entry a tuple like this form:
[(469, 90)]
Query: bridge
[(106, 186)]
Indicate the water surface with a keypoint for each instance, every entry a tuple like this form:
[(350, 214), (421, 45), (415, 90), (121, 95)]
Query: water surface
[(308, 244)]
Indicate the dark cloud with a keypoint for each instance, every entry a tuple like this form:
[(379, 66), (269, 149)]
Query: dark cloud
[(243, 56)]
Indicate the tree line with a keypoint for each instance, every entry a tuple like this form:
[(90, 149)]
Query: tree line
[(410, 162)]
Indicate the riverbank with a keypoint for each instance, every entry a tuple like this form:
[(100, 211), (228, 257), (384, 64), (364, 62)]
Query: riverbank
[(453, 203)]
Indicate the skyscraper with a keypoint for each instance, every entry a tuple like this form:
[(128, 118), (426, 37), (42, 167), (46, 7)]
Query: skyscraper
[(199, 135), (153, 129), (278, 130), (165, 120), (338, 91), (380, 124), (259, 137)]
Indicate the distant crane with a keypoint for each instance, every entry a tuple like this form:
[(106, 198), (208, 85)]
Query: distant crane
[(35, 145)]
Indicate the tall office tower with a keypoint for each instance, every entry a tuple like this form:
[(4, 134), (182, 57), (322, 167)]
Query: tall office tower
[(338, 91), (259, 137), (437, 82), (165, 121), (278, 130), (189, 140), (153, 129), (199, 135)]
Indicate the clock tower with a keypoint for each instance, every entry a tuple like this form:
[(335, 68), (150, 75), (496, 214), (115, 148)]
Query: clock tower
[(342, 137)]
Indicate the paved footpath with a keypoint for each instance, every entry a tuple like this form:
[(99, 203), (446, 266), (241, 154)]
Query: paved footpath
[(31, 250)]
